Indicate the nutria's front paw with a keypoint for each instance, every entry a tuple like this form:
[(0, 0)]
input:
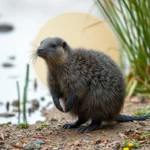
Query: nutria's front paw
[(70, 125)]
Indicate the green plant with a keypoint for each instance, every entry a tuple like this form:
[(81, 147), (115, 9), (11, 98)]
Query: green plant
[(131, 144), (23, 125), (18, 93), (25, 92), (130, 19), (5, 124), (42, 125), (144, 111)]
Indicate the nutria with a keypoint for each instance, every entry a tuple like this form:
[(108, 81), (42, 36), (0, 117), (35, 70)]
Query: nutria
[(89, 82)]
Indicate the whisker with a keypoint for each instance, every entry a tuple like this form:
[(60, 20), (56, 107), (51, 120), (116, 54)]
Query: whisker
[(33, 57)]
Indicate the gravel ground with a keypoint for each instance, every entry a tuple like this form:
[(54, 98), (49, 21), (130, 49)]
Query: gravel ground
[(51, 136)]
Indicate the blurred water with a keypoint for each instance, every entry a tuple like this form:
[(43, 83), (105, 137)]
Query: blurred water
[(27, 17)]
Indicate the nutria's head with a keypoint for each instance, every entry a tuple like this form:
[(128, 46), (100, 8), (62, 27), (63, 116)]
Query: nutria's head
[(53, 50)]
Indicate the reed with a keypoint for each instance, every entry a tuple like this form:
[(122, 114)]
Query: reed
[(25, 92), (18, 93), (130, 20)]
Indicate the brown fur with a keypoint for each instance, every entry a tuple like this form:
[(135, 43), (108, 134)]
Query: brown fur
[(94, 80)]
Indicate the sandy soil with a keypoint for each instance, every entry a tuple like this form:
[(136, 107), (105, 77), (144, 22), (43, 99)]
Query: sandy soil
[(51, 135)]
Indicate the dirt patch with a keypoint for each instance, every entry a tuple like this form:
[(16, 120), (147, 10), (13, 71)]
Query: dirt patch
[(51, 135)]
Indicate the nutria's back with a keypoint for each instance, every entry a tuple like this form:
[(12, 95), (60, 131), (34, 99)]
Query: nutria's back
[(99, 83)]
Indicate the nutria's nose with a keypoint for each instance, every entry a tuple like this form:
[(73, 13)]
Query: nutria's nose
[(40, 50)]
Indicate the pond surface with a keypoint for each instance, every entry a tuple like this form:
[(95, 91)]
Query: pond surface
[(26, 18)]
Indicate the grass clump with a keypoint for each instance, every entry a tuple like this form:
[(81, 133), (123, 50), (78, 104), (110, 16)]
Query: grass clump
[(130, 20), (23, 125), (130, 144), (42, 125), (141, 112)]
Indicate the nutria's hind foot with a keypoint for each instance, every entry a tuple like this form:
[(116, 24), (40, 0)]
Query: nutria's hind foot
[(93, 126), (74, 124)]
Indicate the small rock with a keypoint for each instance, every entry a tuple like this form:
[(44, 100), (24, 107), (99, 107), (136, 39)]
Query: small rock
[(77, 143), (53, 120), (7, 114), (12, 57), (123, 136), (5, 147), (35, 104), (38, 141), (15, 103), (142, 123), (42, 98), (147, 129), (101, 145), (6, 28), (15, 109), (7, 65), (32, 145), (98, 140), (114, 145), (1, 143), (7, 106)]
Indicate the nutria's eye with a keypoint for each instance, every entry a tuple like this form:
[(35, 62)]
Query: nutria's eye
[(53, 45)]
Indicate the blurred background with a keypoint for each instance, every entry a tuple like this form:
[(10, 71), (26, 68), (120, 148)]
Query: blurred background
[(20, 22)]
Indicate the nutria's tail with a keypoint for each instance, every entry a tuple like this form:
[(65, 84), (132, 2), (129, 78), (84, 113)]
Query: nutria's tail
[(126, 118)]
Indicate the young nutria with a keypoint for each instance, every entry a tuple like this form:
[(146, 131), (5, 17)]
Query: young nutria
[(89, 82)]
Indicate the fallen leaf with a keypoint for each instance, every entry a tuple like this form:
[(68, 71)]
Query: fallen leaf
[(123, 136), (77, 143), (39, 136), (45, 148), (88, 134), (106, 141), (98, 140), (136, 136), (143, 142), (1, 143), (116, 145), (16, 146), (128, 132)]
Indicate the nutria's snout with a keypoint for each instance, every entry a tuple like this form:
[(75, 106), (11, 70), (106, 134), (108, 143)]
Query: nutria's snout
[(41, 52)]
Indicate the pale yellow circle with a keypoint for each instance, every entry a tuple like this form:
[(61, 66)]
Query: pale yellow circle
[(79, 30)]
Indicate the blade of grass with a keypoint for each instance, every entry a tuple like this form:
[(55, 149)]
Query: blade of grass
[(25, 92)]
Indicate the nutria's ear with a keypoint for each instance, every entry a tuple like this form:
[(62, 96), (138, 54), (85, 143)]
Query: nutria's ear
[(64, 45)]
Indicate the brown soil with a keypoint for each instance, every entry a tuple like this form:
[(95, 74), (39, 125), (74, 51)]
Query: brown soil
[(54, 137)]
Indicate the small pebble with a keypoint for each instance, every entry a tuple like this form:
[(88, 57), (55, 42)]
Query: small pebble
[(147, 129), (12, 57), (38, 141), (142, 123), (114, 145), (7, 114), (42, 98), (7, 65), (32, 145), (6, 28)]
